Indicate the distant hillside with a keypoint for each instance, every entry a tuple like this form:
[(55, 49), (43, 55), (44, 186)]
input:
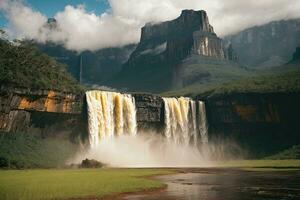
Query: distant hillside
[(204, 70), (285, 78), (23, 65), (268, 45), (97, 66)]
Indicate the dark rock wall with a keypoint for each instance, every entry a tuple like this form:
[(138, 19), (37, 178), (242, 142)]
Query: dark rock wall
[(41, 111), (150, 111), (262, 123)]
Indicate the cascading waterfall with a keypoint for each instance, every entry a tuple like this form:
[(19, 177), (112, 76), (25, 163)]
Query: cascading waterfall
[(183, 123), (112, 124), (113, 114), (202, 122), (110, 114)]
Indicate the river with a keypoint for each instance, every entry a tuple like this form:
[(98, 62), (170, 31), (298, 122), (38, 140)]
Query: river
[(226, 184)]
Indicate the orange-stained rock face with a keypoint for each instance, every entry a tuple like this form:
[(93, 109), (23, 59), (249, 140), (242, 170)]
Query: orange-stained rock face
[(53, 102), (252, 113), (50, 104), (19, 108), (247, 112), (25, 104)]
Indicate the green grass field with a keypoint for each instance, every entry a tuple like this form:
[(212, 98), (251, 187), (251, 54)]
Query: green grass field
[(97, 183), (259, 165), (74, 183)]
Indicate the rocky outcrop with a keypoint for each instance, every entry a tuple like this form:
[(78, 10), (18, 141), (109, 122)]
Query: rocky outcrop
[(262, 123), (24, 109), (150, 111), (40, 101)]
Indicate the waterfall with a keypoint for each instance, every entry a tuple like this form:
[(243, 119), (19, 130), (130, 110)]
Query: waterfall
[(113, 114), (110, 114), (183, 123), (202, 122)]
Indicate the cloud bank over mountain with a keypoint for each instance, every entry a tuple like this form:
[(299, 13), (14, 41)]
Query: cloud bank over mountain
[(79, 30)]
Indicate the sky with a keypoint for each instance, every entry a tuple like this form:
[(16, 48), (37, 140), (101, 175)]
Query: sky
[(50, 7), (95, 24)]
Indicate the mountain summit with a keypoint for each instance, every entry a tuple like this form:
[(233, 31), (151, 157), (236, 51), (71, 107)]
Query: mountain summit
[(164, 47), (174, 40)]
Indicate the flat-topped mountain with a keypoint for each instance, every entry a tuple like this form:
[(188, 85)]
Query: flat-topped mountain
[(163, 48), (174, 40)]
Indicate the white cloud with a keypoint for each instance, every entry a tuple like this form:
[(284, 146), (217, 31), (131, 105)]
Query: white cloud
[(81, 30)]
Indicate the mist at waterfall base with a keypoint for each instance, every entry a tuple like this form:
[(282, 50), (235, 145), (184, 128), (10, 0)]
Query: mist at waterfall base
[(115, 141)]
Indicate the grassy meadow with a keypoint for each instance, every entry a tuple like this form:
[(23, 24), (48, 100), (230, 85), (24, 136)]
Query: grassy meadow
[(74, 183), (258, 165), (98, 183)]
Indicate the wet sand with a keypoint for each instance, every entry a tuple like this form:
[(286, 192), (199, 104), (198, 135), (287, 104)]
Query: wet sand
[(225, 184)]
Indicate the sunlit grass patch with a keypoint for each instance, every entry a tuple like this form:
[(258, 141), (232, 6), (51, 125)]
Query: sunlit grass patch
[(261, 165), (75, 183)]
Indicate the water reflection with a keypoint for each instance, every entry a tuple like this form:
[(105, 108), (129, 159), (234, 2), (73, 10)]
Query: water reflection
[(227, 185)]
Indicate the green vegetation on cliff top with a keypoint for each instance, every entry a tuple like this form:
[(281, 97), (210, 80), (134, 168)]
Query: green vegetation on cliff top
[(291, 153), (283, 79), (23, 65)]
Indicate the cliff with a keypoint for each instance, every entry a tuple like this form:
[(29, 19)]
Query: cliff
[(262, 123), (52, 112), (150, 111), (22, 110), (189, 34), (267, 45)]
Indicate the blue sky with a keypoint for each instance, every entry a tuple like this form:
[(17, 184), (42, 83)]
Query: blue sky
[(50, 7)]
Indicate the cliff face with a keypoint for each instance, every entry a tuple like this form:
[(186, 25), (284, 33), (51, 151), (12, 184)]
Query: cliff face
[(268, 45), (189, 34), (150, 111), (262, 123), (22, 110), (52, 112)]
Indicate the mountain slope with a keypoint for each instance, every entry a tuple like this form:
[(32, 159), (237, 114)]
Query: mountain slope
[(97, 66), (284, 78), (23, 65)]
